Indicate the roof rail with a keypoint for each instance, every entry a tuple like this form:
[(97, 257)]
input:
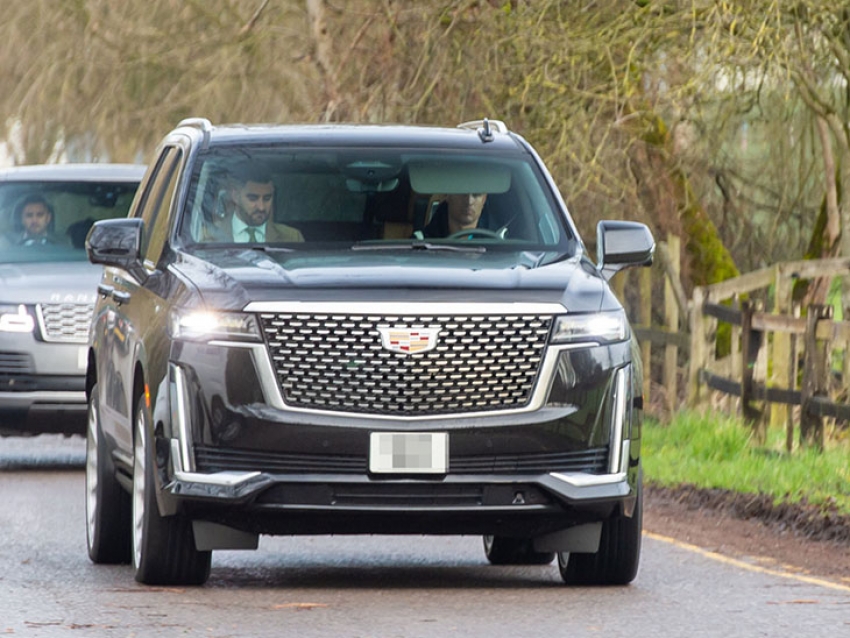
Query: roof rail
[(199, 122), (485, 128)]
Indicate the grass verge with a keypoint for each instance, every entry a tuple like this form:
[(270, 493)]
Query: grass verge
[(712, 451)]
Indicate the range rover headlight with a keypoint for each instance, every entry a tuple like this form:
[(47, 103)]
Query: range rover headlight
[(208, 326), (16, 318), (600, 327)]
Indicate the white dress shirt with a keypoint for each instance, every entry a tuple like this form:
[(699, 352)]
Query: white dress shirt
[(240, 230)]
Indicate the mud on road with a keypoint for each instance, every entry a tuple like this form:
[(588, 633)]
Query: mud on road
[(800, 536)]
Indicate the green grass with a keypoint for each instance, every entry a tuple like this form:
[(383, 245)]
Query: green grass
[(712, 451)]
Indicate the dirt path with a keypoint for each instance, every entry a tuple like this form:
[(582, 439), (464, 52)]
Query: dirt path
[(796, 537)]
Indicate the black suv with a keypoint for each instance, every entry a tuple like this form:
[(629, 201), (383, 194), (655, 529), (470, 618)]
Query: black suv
[(353, 329)]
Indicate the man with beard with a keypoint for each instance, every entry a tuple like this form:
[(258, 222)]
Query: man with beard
[(36, 220), (252, 194)]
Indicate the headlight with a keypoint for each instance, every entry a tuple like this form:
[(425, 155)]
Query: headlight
[(207, 326), (599, 327), (16, 319)]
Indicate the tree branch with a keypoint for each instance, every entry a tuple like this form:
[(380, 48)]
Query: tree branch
[(248, 26)]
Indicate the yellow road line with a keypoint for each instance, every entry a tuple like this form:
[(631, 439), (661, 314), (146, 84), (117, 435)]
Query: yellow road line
[(743, 565)]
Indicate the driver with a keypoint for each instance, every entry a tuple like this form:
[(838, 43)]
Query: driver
[(35, 221), (456, 213), (251, 191)]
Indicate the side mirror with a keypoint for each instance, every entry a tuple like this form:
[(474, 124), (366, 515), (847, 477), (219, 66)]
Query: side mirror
[(117, 242), (623, 245)]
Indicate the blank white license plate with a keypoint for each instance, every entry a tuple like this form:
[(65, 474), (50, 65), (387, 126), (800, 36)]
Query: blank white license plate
[(409, 452)]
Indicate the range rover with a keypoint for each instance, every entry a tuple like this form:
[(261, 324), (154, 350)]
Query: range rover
[(48, 288)]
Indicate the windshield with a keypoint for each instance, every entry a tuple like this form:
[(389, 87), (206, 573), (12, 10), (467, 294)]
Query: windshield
[(373, 198), (47, 221)]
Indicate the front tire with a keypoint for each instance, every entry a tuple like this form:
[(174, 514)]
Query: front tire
[(107, 504), (163, 546), (504, 550), (616, 562)]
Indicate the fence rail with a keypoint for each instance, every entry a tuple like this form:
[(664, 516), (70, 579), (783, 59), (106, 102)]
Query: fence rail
[(744, 338)]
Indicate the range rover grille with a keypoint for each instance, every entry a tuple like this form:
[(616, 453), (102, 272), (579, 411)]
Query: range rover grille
[(338, 363), (67, 322)]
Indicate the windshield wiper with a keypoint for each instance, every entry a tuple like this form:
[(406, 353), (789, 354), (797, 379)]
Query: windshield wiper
[(419, 245), (271, 249)]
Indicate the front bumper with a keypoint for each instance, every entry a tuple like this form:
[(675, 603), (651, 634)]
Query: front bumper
[(509, 505), (43, 412), (570, 458), (42, 386)]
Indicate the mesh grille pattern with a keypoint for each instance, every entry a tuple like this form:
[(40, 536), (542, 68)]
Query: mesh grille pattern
[(67, 322), (337, 363), (213, 459)]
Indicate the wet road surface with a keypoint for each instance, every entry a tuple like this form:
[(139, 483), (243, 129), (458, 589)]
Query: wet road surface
[(391, 587)]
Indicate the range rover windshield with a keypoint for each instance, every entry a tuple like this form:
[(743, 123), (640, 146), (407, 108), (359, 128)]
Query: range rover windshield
[(47, 221), (373, 199)]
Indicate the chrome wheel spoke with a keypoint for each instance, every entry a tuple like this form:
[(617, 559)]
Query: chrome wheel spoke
[(91, 474), (138, 492)]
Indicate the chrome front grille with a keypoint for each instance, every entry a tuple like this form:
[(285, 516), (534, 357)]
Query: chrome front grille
[(337, 362), (66, 322)]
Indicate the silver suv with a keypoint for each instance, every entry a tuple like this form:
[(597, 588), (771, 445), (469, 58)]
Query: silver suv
[(48, 288)]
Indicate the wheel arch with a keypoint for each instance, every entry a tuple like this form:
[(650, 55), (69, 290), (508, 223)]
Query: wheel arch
[(91, 373), (140, 392)]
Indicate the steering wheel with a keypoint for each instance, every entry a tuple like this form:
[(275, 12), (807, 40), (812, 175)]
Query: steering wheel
[(469, 233)]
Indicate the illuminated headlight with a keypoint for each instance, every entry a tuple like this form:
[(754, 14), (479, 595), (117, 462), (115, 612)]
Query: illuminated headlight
[(600, 327), (16, 319), (208, 326)]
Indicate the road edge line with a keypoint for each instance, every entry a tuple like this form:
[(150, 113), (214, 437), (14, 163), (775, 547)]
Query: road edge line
[(747, 566)]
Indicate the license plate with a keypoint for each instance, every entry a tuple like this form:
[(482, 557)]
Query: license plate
[(409, 452)]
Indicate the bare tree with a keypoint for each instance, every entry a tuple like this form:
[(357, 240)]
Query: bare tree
[(663, 108), (799, 52)]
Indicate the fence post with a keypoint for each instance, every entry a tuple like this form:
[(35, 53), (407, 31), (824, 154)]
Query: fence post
[(699, 350), (815, 378), (793, 366), (671, 320), (645, 284), (737, 362), (618, 287), (845, 368), (750, 344), (781, 377)]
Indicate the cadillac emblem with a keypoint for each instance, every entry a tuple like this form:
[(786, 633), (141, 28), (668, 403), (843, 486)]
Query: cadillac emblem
[(409, 340)]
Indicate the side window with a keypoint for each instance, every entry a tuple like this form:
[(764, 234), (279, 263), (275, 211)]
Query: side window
[(157, 203)]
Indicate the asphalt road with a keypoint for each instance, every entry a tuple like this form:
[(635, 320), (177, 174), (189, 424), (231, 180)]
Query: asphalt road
[(366, 587)]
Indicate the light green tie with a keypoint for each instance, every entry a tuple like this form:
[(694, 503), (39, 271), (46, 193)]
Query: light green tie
[(252, 234)]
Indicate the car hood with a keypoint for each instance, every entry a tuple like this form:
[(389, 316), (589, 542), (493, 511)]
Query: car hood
[(53, 282), (232, 278)]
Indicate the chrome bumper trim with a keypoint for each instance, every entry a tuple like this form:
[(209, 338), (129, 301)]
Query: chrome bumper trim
[(589, 480), (219, 479), (392, 308)]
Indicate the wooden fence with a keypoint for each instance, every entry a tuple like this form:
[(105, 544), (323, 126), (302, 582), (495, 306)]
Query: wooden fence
[(745, 339)]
